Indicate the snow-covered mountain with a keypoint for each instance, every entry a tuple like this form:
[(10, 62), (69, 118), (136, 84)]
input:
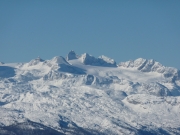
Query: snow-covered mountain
[(86, 95)]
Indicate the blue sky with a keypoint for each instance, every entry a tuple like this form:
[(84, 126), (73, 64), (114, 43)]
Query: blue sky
[(120, 29)]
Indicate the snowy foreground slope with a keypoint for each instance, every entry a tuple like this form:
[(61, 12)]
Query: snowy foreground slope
[(87, 95)]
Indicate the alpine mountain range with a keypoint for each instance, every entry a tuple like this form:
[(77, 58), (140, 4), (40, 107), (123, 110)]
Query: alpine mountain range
[(85, 95)]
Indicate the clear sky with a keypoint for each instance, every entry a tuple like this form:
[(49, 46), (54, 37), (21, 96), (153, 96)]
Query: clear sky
[(120, 29)]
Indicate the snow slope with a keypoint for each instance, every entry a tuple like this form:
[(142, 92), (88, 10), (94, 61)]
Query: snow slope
[(88, 95)]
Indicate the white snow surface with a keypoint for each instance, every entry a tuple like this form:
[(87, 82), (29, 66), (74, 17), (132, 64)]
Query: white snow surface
[(106, 99)]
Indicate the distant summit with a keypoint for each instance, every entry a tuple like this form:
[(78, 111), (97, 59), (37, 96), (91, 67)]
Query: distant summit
[(1, 63), (58, 60), (71, 55), (35, 61), (59, 63)]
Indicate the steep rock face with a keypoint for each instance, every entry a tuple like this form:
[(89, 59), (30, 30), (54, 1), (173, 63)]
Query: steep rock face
[(88, 59), (71, 55), (101, 61)]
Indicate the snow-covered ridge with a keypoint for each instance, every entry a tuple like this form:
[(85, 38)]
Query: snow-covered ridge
[(151, 65)]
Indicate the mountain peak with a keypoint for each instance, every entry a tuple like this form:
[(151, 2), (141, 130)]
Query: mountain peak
[(59, 60), (101, 61), (1, 63), (71, 55), (35, 61)]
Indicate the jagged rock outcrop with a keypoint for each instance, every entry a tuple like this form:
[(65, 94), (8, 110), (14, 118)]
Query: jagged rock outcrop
[(71, 55)]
